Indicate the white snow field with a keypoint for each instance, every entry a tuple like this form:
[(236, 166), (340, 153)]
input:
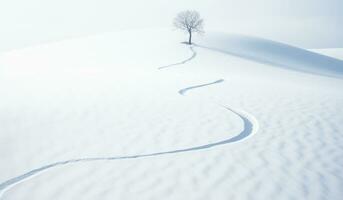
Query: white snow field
[(139, 115)]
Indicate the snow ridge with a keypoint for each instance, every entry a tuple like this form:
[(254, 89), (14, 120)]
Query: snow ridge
[(273, 53), (249, 122)]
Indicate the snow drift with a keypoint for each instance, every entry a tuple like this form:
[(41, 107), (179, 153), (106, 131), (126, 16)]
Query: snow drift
[(273, 53), (104, 96)]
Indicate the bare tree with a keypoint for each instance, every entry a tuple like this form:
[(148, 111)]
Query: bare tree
[(190, 22)]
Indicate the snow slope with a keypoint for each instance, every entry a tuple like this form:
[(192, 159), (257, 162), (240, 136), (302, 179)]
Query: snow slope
[(137, 114), (274, 53)]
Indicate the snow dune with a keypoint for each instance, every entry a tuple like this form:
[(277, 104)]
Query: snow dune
[(250, 125), (274, 53), (250, 128), (95, 114)]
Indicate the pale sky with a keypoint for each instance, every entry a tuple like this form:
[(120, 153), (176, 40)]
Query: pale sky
[(306, 23)]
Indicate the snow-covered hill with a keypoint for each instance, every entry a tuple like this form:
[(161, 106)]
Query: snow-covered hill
[(139, 115)]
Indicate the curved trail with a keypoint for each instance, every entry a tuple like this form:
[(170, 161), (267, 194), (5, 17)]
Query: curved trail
[(249, 122), (250, 127), (183, 91), (194, 54)]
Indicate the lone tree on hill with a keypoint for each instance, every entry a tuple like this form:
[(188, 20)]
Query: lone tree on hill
[(190, 22)]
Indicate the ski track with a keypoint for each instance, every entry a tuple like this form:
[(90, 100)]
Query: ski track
[(183, 91), (250, 124), (194, 54)]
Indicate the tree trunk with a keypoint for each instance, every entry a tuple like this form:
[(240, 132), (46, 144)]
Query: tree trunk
[(190, 38)]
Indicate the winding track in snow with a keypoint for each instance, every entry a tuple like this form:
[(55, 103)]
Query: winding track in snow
[(183, 91), (194, 54), (250, 127)]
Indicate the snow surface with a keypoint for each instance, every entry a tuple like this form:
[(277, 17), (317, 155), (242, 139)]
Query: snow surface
[(139, 115)]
